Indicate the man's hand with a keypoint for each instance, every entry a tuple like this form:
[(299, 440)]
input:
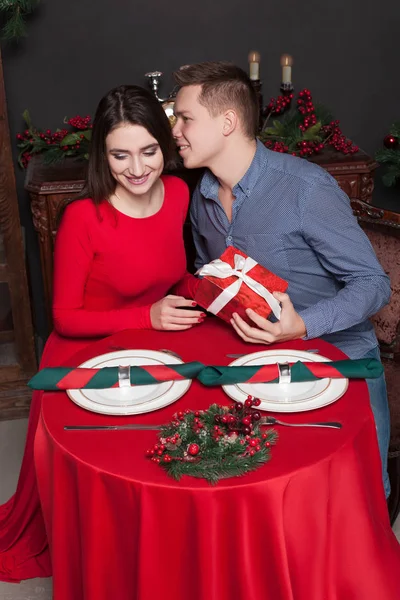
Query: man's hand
[(290, 327)]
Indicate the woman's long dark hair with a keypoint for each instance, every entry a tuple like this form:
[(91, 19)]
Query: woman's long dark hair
[(133, 105)]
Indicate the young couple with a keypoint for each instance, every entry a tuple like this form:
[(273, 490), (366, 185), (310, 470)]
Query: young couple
[(120, 260)]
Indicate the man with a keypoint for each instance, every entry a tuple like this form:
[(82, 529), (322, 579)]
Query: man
[(287, 214)]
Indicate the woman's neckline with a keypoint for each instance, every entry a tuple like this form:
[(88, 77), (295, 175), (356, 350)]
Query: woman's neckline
[(157, 213)]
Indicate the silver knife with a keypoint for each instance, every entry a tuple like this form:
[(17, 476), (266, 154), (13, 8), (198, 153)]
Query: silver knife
[(313, 350), (107, 427)]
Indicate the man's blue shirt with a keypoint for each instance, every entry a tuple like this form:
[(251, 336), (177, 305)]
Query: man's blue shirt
[(292, 218)]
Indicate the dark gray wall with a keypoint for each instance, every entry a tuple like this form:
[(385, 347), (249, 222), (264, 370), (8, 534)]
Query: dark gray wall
[(346, 53)]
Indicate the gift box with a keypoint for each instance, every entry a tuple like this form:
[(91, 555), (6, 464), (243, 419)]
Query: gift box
[(235, 282)]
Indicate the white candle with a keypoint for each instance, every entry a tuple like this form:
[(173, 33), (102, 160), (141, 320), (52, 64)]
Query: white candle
[(286, 74), (286, 64), (254, 66)]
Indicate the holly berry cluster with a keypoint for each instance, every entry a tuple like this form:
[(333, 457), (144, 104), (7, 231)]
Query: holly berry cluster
[(30, 138), (55, 145), (213, 444), (335, 138), (306, 107), (278, 105), (81, 122), (277, 146), (303, 131)]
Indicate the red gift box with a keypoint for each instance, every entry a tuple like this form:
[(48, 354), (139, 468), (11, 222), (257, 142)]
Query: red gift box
[(208, 294)]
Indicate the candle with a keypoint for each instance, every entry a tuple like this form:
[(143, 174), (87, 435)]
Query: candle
[(254, 65), (286, 64)]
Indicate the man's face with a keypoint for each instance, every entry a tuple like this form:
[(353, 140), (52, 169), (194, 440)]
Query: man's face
[(199, 136)]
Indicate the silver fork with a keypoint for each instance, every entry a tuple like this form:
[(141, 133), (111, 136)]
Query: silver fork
[(273, 421)]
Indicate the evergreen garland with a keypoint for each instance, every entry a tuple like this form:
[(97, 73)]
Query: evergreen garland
[(13, 15), (55, 146), (214, 444), (390, 155), (304, 130)]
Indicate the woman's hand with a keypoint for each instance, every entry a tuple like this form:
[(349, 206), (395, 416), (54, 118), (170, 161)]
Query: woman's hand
[(289, 327), (169, 314)]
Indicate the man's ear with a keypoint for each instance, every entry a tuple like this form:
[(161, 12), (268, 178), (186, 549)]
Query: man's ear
[(230, 122)]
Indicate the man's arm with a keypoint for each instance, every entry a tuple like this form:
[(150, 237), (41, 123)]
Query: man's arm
[(202, 256), (330, 228), (343, 249)]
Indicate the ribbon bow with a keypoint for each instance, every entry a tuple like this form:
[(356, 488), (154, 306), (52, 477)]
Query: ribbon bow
[(222, 270)]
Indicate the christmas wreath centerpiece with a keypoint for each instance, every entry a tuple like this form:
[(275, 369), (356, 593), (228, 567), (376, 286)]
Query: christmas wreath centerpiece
[(220, 442)]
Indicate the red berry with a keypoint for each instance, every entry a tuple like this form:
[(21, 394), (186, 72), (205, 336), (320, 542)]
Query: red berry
[(193, 449)]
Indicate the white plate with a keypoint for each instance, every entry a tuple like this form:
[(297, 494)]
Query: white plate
[(130, 400), (288, 397)]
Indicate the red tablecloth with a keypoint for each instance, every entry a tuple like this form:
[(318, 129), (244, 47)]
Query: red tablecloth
[(312, 524)]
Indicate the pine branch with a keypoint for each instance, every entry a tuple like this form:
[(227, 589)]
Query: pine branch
[(15, 27), (323, 114), (391, 176), (395, 129), (14, 13), (387, 155)]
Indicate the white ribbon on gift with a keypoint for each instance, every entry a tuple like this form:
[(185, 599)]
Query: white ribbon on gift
[(222, 270)]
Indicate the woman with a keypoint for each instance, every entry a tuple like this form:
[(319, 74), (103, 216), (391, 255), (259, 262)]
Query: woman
[(119, 252)]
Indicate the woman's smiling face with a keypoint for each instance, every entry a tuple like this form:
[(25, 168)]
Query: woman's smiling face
[(134, 157)]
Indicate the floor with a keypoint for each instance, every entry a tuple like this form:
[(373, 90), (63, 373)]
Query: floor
[(12, 440)]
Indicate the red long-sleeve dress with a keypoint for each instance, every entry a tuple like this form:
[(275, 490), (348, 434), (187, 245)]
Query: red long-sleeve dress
[(109, 269)]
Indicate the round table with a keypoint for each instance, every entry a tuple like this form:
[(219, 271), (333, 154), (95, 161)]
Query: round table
[(311, 524)]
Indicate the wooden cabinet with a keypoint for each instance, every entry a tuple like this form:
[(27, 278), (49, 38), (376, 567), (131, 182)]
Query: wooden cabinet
[(51, 187), (354, 173), (17, 355)]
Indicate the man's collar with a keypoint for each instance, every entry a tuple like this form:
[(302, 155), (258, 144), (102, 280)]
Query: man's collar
[(209, 184)]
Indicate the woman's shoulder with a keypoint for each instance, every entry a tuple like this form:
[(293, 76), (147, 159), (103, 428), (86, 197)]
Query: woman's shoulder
[(84, 206), (80, 214)]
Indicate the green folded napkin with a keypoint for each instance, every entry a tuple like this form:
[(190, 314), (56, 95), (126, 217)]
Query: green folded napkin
[(62, 378)]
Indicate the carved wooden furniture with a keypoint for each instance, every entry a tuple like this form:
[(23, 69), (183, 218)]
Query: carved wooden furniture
[(17, 355), (354, 173), (383, 230)]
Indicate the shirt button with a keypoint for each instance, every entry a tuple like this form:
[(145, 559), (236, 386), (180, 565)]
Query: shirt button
[(229, 238)]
